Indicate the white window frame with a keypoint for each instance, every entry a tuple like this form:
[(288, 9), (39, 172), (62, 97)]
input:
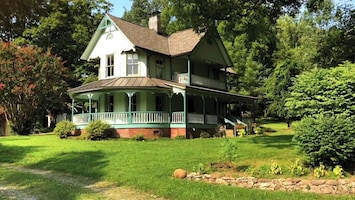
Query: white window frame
[(132, 64)]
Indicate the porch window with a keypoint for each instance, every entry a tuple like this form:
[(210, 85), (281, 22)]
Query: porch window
[(109, 65), (159, 103), (134, 103), (132, 64), (110, 103), (159, 69)]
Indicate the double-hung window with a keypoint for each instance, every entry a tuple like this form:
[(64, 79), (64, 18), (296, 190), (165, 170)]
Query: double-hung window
[(110, 65), (132, 64)]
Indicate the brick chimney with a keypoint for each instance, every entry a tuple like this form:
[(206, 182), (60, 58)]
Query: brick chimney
[(154, 22)]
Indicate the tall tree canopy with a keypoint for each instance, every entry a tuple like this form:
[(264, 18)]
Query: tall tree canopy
[(18, 15), (142, 9), (30, 81), (202, 15), (296, 50), (328, 91), (67, 30)]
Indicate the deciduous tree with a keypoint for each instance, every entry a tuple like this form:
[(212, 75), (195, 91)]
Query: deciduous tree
[(31, 80), (67, 30), (329, 91)]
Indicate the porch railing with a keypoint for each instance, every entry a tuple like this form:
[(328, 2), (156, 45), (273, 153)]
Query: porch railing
[(195, 118), (211, 119), (81, 119), (199, 80), (150, 117), (111, 117), (144, 117), (177, 117)]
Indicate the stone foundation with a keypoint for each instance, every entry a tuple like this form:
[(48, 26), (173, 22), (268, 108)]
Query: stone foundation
[(340, 186)]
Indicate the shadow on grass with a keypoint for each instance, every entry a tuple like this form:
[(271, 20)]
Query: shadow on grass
[(242, 168), (12, 154), (277, 141), (33, 186), (73, 162)]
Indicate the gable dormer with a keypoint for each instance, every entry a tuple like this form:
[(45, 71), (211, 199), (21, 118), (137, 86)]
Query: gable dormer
[(117, 54)]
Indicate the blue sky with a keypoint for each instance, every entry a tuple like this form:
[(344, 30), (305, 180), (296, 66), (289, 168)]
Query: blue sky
[(119, 5)]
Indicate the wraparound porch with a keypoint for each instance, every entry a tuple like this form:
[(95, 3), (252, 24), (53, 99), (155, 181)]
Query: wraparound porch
[(147, 117)]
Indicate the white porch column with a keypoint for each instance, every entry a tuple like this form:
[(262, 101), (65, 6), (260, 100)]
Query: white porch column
[(130, 95), (90, 103)]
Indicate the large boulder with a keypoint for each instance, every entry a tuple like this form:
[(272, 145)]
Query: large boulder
[(180, 173)]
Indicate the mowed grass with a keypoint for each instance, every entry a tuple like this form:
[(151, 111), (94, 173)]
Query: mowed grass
[(42, 188), (148, 166)]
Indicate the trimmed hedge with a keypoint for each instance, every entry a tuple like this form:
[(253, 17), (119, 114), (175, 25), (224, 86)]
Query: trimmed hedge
[(64, 129), (97, 130)]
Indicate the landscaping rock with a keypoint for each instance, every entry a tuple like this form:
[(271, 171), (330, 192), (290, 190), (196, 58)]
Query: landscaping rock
[(180, 173), (342, 186)]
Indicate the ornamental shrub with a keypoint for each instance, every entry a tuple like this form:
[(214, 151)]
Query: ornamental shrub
[(297, 168), (326, 139), (64, 129), (338, 171), (97, 130), (229, 150), (275, 169), (319, 171)]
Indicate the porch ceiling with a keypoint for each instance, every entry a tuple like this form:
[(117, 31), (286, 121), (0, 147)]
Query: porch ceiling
[(123, 83)]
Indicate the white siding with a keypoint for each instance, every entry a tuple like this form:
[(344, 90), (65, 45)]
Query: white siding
[(117, 45)]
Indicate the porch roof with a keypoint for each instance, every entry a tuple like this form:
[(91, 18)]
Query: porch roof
[(123, 83), (154, 83), (233, 98)]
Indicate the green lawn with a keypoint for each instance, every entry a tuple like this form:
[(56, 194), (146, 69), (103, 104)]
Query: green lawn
[(148, 165)]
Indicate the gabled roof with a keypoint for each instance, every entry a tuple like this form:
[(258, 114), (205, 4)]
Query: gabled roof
[(183, 42), (142, 36), (176, 44)]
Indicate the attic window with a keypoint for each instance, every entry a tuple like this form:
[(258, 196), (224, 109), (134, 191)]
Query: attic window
[(109, 36)]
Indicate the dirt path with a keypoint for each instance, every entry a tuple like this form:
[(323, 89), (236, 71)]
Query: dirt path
[(106, 190)]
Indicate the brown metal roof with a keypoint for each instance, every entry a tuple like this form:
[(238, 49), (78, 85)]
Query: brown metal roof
[(143, 37), (123, 83)]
